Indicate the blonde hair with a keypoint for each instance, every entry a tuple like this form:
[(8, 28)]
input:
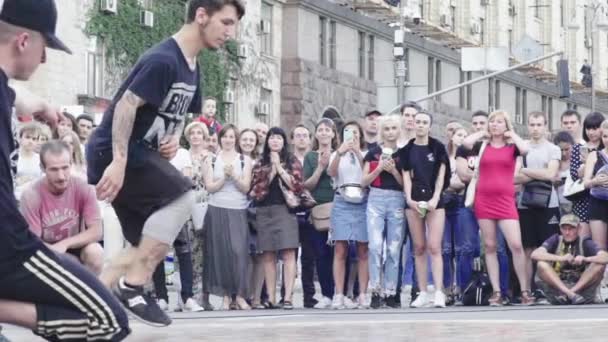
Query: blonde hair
[(193, 125), (501, 113), (450, 135), (77, 157), (30, 128), (384, 121), (604, 125)]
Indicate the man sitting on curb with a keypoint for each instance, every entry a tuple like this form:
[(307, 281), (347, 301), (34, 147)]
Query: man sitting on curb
[(62, 210), (567, 269)]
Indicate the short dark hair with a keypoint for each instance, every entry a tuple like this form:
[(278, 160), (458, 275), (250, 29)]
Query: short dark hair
[(480, 113), (592, 120), (563, 137), (212, 6), (300, 126), (427, 114), (537, 114), (55, 147), (570, 112), (410, 104), (86, 117)]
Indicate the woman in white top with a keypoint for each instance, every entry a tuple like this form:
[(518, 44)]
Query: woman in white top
[(226, 262), (28, 163), (348, 216)]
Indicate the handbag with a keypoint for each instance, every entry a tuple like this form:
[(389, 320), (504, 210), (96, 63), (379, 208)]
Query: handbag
[(472, 187), (479, 289), (320, 216), (304, 199), (199, 208), (536, 194), (574, 190), (601, 192), (352, 193)]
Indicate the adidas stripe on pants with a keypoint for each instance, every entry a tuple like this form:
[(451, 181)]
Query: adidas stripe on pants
[(71, 304)]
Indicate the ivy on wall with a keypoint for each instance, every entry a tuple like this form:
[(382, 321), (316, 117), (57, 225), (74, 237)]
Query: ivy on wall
[(125, 39)]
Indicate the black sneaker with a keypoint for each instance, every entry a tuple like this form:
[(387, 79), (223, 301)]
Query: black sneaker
[(310, 303), (391, 302), (450, 300), (376, 301), (142, 306)]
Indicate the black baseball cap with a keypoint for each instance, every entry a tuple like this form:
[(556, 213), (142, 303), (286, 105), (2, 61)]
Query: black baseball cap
[(373, 112), (35, 15)]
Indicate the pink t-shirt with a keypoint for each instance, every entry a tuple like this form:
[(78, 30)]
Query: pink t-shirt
[(57, 217)]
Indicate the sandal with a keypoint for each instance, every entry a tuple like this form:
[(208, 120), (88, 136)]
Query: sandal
[(270, 306), (287, 305), (496, 299), (527, 298)]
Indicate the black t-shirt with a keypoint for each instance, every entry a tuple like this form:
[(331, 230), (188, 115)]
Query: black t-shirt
[(421, 164), (15, 236), (385, 180), (163, 79), (275, 195), (469, 155), (371, 145)]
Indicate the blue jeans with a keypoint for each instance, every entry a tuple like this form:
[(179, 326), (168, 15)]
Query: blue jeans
[(324, 259), (385, 205), (468, 247), (448, 244)]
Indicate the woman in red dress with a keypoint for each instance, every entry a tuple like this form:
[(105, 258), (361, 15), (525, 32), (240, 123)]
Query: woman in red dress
[(495, 198)]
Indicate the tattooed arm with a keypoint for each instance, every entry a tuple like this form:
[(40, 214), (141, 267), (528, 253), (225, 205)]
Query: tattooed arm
[(122, 126)]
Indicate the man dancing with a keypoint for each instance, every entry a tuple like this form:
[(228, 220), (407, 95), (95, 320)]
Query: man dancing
[(46, 292), (128, 154)]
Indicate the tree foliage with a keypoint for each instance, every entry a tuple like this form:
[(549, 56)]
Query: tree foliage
[(125, 39)]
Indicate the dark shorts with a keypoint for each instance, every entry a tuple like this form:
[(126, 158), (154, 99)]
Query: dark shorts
[(537, 225), (598, 210), (150, 183)]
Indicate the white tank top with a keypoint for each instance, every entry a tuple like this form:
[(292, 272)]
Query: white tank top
[(229, 196)]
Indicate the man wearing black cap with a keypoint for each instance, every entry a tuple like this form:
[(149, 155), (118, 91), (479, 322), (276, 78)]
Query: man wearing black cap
[(371, 128), (46, 292)]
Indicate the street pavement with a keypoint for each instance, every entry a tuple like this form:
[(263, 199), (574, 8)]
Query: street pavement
[(513, 323)]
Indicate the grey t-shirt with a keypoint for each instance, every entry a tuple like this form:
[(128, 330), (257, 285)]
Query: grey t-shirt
[(538, 157)]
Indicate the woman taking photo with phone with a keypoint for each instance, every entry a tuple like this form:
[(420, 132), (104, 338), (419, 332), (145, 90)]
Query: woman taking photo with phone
[(385, 216), (426, 175), (348, 219)]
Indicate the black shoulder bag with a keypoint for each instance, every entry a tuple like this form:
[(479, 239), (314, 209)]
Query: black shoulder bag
[(537, 193)]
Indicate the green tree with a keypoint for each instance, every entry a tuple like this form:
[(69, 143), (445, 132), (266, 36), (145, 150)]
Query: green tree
[(125, 39)]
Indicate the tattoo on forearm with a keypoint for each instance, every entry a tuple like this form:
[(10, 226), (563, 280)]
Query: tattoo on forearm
[(122, 123)]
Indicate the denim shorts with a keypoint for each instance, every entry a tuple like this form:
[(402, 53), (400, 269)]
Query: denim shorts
[(348, 220)]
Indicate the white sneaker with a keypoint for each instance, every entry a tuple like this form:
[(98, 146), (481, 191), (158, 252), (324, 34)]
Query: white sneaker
[(192, 306), (421, 301), (324, 303), (163, 304), (349, 304), (338, 302), (439, 301), (363, 301)]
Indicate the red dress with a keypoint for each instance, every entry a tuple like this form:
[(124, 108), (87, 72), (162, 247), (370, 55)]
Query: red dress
[(495, 193)]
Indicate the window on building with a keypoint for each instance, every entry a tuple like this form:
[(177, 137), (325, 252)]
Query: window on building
[(265, 106), (266, 22), (370, 58), (430, 75), (361, 54), (95, 68), (332, 44), (491, 94), (453, 18), (543, 104), (497, 94), (469, 91), (510, 37), (562, 15), (524, 105), (461, 91), (482, 31), (550, 112), (518, 105), (406, 58), (438, 77), (322, 40), (537, 9)]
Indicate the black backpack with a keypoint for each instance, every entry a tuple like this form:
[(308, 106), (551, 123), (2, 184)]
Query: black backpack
[(479, 290)]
